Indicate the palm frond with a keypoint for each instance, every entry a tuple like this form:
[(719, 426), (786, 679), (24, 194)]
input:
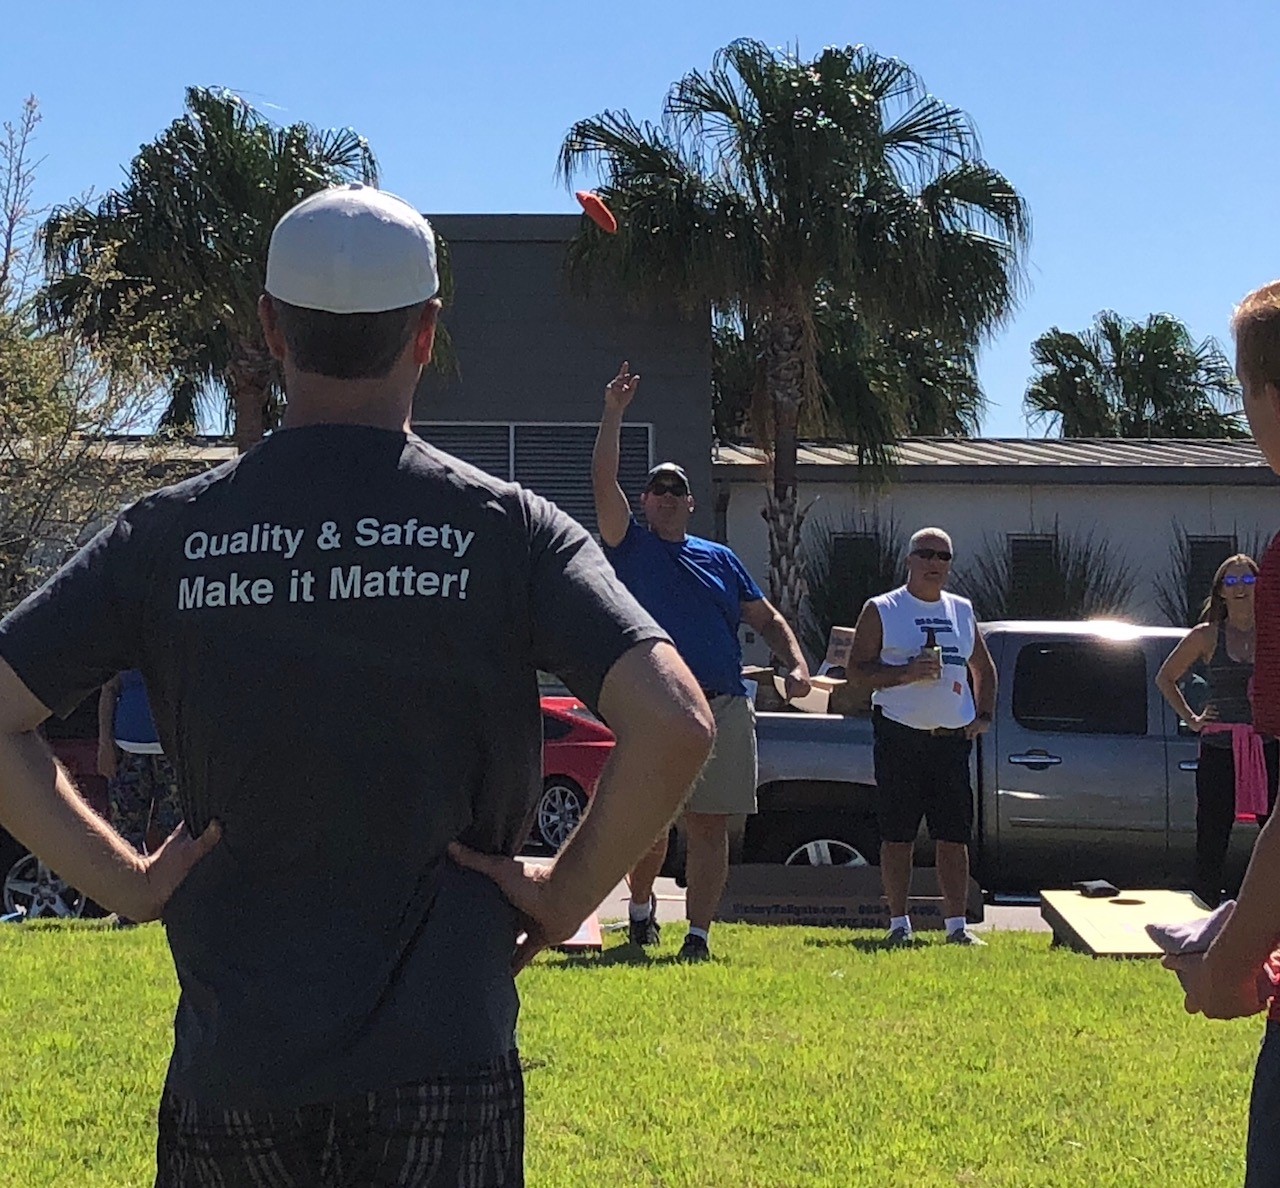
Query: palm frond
[(167, 270), (929, 132), (1128, 379)]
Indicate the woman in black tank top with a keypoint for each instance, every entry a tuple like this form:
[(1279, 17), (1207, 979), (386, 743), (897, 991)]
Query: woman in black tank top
[(1223, 643)]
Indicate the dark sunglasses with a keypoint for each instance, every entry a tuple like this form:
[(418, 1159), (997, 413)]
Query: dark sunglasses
[(669, 488), (1242, 579), (930, 554)]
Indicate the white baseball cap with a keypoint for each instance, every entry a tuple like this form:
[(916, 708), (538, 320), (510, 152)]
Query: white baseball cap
[(352, 249)]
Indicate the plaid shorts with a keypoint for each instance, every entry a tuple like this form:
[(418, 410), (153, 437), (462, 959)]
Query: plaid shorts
[(461, 1131), (143, 792)]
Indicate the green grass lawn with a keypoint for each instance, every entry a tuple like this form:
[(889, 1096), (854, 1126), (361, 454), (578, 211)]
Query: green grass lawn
[(799, 1057)]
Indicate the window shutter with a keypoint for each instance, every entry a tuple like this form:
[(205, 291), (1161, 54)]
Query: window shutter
[(1031, 573), (555, 461), (853, 554), (552, 459), (1206, 554), (487, 446)]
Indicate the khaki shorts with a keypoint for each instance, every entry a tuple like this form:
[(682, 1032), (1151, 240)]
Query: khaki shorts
[(727, 783)]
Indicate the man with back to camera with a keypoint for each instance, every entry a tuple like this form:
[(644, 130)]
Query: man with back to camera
[(347, 1009), (916, 647), (699, 592)]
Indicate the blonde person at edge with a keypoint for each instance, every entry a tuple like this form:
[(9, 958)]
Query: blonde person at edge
[(1223, 983), (1223, 642), (925, 720), (699, 592)]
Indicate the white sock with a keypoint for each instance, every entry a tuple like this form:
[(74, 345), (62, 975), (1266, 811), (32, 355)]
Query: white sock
[(900, 922), (638, 911), (955, 924), (701, 933)]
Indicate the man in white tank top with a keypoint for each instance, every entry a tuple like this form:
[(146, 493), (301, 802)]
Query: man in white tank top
[(917, 647)]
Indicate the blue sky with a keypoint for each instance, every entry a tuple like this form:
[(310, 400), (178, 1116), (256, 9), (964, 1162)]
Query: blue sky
[(1142, 133)]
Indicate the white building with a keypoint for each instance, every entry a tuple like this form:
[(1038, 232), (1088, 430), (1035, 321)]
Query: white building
[(1011, 493)]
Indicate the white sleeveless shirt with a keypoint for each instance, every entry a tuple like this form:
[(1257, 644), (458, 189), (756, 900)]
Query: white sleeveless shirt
[(925, 705)]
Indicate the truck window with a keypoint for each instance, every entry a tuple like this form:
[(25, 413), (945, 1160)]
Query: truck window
[(1081, 687)]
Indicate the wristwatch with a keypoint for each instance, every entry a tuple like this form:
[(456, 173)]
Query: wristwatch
[(984, 717)]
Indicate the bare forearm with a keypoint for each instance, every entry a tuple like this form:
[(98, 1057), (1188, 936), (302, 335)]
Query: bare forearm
[(638, 796), (1176, 699), (41, 808), (1254, 928), (984, 689), (877, 675), (604, 456), (783, 643)]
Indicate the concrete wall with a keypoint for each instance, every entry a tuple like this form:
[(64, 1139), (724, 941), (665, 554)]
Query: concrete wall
[(532, 351)]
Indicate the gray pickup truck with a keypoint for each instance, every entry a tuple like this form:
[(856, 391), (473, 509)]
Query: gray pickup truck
[(1086, 772)]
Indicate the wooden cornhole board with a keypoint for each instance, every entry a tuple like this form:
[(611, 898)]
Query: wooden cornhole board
[(1116, 927), (837, 896), (587, 939)]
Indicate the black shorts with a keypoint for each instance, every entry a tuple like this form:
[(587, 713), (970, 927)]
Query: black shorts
[(921, 776), (464, 1131)]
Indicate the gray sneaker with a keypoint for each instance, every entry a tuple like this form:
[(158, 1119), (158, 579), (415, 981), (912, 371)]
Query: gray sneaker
[(900, 938), (962, 936)]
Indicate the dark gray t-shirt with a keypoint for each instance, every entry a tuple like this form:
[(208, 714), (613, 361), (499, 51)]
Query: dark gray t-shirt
[(340, 632)]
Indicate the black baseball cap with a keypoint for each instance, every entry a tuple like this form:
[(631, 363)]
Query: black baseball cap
[(669, 469)]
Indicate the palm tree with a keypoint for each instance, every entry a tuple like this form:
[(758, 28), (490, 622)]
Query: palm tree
[(876, 388), (1122, 378), (769, 177), (169, 267), (893, 383)]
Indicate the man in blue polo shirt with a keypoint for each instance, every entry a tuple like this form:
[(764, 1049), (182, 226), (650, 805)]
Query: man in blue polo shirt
[(699, 592)]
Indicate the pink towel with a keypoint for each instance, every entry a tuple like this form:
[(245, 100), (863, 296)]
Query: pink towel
[(1251, 767)]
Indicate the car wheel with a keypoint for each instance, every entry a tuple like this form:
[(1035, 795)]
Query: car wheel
[(813, 840), (31, 887), (559, 811)]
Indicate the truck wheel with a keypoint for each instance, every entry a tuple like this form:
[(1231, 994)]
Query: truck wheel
[(813, 839)]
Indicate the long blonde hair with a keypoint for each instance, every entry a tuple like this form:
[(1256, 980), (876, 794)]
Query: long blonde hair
[(1215, 606)]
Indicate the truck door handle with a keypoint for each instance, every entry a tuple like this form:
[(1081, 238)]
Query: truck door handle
[(1189, 765), (1036, 760)]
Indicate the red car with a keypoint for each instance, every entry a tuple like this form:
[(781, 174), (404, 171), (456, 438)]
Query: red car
[(575, 748)]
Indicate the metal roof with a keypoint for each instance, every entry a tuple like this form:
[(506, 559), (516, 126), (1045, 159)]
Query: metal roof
[(1010, 460), (1026, 460)]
